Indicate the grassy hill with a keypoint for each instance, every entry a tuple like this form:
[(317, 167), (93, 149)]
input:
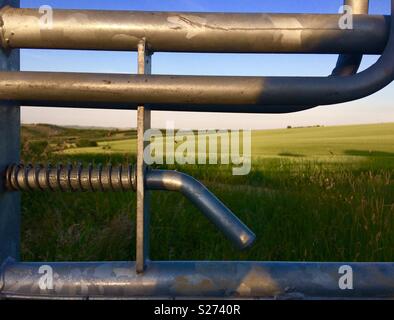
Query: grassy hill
[(339, 143)]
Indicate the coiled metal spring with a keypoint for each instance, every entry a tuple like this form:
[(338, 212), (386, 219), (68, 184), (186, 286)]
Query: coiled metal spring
[(20, 177)]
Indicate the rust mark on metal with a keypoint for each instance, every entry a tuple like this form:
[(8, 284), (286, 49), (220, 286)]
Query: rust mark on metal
[(258, 282)]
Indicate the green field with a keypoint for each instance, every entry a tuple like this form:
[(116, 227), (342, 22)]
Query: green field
[(319, 193), (298, 142)]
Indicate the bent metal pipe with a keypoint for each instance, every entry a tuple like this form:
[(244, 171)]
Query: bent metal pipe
[(68, 178), (347, 64)]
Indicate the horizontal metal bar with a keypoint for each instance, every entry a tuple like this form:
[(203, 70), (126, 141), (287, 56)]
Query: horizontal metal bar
[(69, 178), (264, 280), (193, 32), (192, 93)]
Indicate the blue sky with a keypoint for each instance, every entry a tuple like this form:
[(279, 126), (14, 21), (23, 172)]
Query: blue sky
[(377, 108)]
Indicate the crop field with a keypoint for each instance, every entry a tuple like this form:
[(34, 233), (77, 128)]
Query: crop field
[(313, 194)]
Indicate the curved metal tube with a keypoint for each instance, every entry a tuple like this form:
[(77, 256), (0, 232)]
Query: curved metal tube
[(204, 200), (197, 279), (196, 93), (70, 178), (347, 64)]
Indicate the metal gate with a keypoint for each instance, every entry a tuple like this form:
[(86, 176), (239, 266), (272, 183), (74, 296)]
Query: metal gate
[(149, 32)]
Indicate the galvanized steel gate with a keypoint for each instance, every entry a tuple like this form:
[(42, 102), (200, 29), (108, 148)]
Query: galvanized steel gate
[(148, 32)]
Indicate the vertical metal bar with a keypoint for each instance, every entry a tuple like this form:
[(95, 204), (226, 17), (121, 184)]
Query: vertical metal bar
[(9, 153), (143, 197)]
